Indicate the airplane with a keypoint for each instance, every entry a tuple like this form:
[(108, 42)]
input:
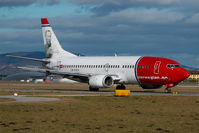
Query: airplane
[(105, 71)]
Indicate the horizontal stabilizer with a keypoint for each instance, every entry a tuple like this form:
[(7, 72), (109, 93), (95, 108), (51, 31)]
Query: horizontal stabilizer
[(27, 58)]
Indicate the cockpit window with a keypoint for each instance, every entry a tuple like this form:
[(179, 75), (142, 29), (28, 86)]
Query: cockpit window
[(172, 66)]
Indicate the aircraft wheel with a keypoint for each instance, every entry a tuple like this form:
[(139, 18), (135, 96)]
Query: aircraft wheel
[(93, 89), (120, 87), (167, 90)]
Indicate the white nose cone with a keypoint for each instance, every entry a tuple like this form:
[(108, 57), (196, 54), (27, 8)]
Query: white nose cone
[(15, 94)]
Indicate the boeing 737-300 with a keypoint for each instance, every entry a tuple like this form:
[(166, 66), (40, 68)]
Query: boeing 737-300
[(105, 71)]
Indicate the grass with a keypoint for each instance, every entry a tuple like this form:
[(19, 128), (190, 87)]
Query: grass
[(24, 85), (137, 114), (6, 100)]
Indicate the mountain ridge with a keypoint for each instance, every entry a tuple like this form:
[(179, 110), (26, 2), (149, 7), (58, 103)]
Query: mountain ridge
[(8, 64)]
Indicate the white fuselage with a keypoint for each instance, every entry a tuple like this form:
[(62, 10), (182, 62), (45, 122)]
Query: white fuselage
[(124, 67)]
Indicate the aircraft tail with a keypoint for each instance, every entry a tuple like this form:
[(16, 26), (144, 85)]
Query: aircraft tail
[(51, 44)]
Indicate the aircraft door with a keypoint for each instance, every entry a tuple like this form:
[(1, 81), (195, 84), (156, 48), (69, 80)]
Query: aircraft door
[(107, 67), (59, 65)]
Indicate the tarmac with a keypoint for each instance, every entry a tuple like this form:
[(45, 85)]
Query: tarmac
[(27, 98), (73, 93)]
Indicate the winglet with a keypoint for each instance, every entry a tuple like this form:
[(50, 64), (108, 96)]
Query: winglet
[(44, 22)]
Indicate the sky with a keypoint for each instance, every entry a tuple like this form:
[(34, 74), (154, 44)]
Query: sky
[(163, 28)]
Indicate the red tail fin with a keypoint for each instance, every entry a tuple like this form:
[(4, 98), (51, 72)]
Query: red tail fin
[(44, 21)]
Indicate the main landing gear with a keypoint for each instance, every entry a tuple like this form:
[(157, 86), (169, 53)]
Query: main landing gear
[(121, 87), (118, 87), (93, 89)]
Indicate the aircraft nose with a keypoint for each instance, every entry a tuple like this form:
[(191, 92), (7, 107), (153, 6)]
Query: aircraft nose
[(182, 74), (178, 75), (185, 73)]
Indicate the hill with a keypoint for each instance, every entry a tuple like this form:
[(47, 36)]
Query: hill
[(8, 64)]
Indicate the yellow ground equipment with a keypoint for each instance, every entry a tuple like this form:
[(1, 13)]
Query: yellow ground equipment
[(122, 92), (175, 93)]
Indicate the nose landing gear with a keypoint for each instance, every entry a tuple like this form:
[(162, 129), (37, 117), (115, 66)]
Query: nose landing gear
[(168, 88)]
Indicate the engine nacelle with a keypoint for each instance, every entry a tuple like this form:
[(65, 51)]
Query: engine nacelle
[(146, 86), (101, 81)]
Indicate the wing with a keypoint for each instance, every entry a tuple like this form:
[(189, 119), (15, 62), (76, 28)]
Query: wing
[(73, 76)]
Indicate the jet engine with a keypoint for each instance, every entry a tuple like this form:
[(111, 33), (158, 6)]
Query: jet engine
[(101, 81), (147, 86)]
